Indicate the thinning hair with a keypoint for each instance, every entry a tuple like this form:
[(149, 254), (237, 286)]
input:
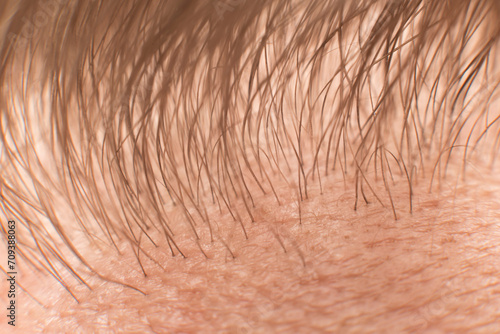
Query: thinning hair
[(121, 111)]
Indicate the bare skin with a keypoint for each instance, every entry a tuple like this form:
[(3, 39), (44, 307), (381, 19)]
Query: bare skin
[(334, 270), (245, 196)]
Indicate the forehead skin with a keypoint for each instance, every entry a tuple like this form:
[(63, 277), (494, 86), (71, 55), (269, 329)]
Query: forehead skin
[(342, 271), (252, 167), (336, 270)]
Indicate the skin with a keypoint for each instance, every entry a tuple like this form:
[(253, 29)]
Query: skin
[(335, 270), (407, 246)]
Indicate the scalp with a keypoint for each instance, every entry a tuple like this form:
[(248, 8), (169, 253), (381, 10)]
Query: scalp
[(138, 125)]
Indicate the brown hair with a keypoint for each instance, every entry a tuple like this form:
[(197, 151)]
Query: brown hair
[(120, 110)]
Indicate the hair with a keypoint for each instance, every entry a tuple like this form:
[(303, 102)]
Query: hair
[(114, 114)]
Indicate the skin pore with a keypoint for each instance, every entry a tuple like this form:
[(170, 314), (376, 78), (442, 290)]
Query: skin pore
[(252, 166)]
